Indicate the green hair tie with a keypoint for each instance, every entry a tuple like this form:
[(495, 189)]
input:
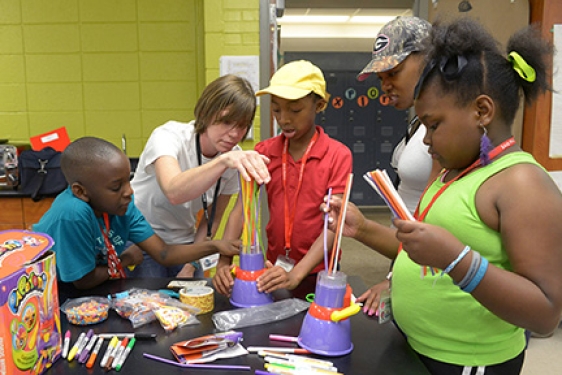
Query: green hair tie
[(524, 70)]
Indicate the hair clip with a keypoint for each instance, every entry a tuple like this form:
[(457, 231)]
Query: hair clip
[(519, 64), (450, 67)]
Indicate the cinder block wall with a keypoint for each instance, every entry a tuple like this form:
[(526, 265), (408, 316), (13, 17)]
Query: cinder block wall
[(112, 67)]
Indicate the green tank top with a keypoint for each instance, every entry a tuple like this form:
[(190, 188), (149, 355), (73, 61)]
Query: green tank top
[(441, 321)]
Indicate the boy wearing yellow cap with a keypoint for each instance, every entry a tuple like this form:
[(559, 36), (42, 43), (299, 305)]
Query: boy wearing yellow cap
[(305, 163)]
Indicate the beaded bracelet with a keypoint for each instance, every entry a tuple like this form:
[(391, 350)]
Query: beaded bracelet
[(456, 261), (478, 277), (474, 265)]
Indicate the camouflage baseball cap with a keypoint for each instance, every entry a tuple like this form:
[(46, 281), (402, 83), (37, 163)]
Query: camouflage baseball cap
[(395, 41)]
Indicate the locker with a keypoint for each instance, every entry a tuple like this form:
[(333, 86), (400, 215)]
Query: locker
[(356, 117)]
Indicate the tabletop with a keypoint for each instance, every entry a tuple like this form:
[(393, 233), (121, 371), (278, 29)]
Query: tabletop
[(378, 348)]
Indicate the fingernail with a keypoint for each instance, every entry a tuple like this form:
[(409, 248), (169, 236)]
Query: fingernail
[(365, 309)]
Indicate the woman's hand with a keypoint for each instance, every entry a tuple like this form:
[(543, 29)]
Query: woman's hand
[(250, 164)]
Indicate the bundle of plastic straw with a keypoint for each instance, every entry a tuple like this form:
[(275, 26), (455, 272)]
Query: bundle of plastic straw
[(250, 194), (382, 184), (336, 248)]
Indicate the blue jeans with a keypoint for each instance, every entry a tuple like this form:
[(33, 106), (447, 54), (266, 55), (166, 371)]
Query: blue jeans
[(150, 268)]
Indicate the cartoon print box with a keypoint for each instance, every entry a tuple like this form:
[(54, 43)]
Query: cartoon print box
[(30, 339)]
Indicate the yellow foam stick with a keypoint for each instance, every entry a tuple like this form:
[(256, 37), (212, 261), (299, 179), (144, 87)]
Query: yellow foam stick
[(353, 309)]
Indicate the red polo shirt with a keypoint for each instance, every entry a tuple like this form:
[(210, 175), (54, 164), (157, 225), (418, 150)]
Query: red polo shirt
[(329, 164)]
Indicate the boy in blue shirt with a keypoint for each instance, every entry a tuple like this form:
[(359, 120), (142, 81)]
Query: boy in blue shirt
[(93, 219)]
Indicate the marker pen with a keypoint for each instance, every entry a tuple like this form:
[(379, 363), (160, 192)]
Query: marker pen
[(111, 358), (84, 343), (297, 358), (298, 364), (77, 344), (86, 352), (94, 355), (108, 351), (125, 354), (119, 352), (66, 345), (279, 349)]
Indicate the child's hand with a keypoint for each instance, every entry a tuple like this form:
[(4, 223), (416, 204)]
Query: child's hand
[(354, 219), (426, 244), (223, 280), (250, 164), (371, 298), (274, 278), (229, 248), (131, 256)]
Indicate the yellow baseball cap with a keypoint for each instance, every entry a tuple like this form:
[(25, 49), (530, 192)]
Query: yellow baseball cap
[(296, 80)]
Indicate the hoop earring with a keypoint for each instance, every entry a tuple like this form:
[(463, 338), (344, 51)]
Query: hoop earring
[(485, 147)]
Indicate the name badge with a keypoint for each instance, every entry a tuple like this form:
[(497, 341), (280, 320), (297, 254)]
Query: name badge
[(285, 262)]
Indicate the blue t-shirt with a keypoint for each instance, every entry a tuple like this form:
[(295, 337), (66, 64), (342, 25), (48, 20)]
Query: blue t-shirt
[(76, 231)]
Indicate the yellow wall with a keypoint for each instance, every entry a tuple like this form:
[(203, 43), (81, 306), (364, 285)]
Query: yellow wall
[(112, 67)]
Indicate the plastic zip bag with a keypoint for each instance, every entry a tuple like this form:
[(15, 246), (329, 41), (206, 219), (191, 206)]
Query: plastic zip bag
[(273, 312)]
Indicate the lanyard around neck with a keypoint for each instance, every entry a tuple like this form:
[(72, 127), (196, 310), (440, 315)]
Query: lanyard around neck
[(495, 152), (204, 195), (113, 263), (290, 215)]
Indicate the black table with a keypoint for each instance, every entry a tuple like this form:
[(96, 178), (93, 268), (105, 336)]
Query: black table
[(378, 349)]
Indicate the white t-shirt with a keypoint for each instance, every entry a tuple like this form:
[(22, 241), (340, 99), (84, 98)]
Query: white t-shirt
[(175, 224), (413, 164)]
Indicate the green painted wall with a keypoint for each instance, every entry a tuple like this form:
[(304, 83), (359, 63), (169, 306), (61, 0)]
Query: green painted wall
[(112, 67)]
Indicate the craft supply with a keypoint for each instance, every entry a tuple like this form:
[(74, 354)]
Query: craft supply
[(136, 335), (77, 344), (283, 338), (125, 354), (326, 216), (92, 359), (186, 284), (86, 310), (66, 345), (197, 365), (260, 372), (86, 352), (111, 358), (119, 352), (108, 351), (279, 349), (298, 363), (84, 343), (297, 358), (336, 248), (202, 297), (300, 369)]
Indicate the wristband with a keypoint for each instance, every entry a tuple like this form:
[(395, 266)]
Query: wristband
[(478, 277), (474, 265), (456, 261)]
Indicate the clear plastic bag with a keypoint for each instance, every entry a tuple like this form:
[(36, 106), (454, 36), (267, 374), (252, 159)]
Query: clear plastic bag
[(139, 306), (226, 320)]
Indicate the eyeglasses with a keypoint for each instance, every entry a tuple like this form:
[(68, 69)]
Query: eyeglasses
[(451, 67)]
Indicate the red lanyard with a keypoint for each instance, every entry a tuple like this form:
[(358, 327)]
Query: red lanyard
[(290, 219), (113, 263), (495, 152)]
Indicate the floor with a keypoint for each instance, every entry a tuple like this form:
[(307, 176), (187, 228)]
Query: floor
[(544, 355)]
